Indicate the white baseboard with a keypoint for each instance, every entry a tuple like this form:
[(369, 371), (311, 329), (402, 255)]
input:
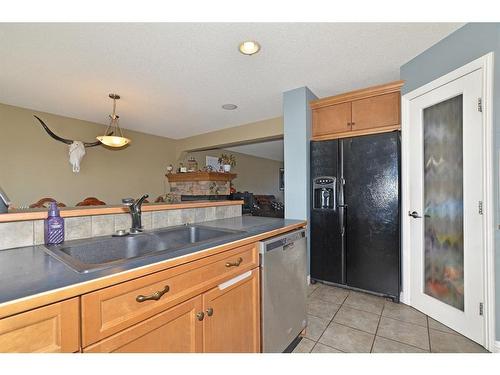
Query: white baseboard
[(402, 298), (496, 348)]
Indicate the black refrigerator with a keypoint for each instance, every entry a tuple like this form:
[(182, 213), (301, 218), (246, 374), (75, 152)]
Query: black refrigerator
[(355, 213)]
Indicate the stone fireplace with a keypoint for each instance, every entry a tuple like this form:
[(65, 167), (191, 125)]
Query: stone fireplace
[(200, 185)]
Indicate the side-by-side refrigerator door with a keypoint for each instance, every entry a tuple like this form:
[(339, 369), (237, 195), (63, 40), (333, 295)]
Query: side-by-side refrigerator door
[(371, 171), (325, 239)]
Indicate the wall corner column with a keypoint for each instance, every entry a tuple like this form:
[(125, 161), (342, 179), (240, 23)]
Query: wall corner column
[(297, 133)]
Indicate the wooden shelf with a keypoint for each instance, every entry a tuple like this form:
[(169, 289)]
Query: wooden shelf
[(40, 214), (200, 176)]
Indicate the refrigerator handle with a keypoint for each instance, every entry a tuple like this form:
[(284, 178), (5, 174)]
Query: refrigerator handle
[(342, 210), (334, 203)]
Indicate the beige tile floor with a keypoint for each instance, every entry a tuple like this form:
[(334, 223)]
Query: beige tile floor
[(352, 322)]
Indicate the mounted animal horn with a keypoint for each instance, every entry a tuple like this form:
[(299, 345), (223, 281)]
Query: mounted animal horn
[(76, 148), (64, 140)]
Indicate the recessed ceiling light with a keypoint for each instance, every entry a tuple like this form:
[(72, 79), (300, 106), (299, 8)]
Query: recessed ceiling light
[(229, 107), (249, 47)]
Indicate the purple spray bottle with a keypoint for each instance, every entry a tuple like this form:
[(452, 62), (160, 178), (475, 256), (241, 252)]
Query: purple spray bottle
[(54, 226)]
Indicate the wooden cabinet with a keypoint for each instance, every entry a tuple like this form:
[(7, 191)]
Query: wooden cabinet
[(110, 310), (232, 316), (50, 329), (118, 319), (376, 112), (224, 319), (176, 330), (373, 110), (332, 119)]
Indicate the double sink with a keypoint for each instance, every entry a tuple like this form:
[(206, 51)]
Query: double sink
[(105, 252)]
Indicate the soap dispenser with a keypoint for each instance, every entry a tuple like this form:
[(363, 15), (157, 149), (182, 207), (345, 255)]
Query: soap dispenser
[(54, 226)]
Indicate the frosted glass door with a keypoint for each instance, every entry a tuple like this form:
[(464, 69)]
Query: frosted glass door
[(445, 192), (443, 202)]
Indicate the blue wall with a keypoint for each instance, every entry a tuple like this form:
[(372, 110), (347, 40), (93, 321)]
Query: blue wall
[(297, 132), (459, 48)]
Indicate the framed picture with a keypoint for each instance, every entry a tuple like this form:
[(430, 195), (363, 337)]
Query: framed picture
[(213, 161), (282, 179)]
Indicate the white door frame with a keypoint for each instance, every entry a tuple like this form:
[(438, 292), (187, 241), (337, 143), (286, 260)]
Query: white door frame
[(486, 63)]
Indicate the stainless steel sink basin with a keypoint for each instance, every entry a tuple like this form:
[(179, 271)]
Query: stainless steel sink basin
[(185, 235), (104, 252)]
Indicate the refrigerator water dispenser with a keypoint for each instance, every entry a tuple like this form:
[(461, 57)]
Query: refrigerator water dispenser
[(324, 193)]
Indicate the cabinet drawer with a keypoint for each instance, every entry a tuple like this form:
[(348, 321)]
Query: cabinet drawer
[(50, 329), (113, 309)]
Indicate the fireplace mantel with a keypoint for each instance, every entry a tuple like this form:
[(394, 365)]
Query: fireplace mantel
[(200, 176)]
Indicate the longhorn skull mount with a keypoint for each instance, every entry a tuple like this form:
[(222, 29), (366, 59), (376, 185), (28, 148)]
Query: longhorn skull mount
[(76, 148)]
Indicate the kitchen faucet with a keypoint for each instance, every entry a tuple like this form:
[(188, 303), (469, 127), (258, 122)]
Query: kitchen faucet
[(4, 202), (134, 207)]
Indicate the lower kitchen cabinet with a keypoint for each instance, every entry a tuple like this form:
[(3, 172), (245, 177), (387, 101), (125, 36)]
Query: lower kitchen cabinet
[(49, 329), (224, 319), (232, 316), (108, 311), (176, 330)]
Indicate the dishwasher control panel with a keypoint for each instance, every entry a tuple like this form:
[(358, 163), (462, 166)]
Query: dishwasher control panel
[(284, 241)]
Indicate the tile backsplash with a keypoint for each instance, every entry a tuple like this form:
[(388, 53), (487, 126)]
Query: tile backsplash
[(27, 233), (17, 234)]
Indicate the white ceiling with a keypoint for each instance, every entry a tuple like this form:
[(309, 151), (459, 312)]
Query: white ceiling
[(174, 77), (269, 150)]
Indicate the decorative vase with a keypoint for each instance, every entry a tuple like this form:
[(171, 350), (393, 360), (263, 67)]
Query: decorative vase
[(227, 168), (192, 165)]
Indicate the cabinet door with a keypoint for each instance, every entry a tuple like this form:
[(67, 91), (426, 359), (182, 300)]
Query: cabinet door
[(332, 119), (50, 329), (376, 112), (232, 316), (177, 330)]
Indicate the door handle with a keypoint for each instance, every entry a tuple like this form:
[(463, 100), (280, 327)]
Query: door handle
[(414, 215)]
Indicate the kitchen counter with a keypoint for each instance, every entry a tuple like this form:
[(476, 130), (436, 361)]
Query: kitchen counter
[(29, 277)]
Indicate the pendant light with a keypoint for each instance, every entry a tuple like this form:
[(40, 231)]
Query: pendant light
[(117, 139)]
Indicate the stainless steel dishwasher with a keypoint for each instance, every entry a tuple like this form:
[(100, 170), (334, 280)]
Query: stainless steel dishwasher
[(283, 261)]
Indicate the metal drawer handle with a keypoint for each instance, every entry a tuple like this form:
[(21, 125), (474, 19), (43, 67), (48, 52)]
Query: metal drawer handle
[(235, 264), (153, 297), (210, 311)]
